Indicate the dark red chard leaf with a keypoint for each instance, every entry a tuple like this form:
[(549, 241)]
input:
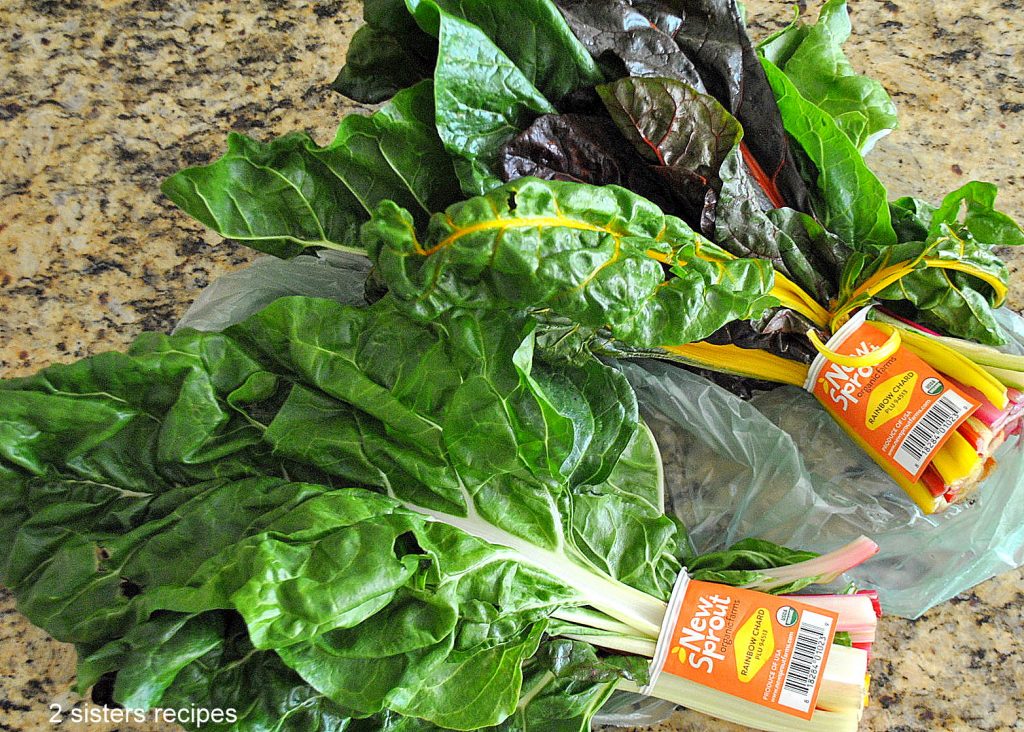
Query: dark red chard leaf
[(693, 145), (683, 134), (631, 38), (795, 243), (714, 38), (695, 201), (582, 149), (781, 333), (671, 123)]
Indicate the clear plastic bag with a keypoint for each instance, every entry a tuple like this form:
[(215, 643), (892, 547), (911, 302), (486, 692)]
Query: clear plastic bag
[(237, 295), (779, 468), (776, 467)]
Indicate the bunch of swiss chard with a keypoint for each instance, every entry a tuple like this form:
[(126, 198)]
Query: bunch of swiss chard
[(756, 153), (336, 517)]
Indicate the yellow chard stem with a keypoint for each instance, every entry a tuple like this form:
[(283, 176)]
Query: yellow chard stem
[(750, 362), (957, 460), (893, 273), (796, 298)]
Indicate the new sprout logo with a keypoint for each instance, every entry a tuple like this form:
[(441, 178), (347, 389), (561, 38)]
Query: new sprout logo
[(842, 383), (932, 386), (698, 644)]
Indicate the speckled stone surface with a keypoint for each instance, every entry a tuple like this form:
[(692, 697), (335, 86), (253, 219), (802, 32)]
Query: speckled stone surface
[(101, 99)]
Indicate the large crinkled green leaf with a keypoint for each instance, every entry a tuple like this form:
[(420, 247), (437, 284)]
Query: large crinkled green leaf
[(498, 444), (638, 475), (481, 97), (291, 194), (85, 553), (169, 411), (812, 254), (330, 562), (854, 201), (534, 36), (150, 656), (263, 693), (564, 682), (379, 608), (497, 608), (590, 254), (811, 56), (465, 608), (391, 52), (478, 452), (349, 355)]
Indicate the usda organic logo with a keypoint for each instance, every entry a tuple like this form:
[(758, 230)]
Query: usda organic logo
[(932, 386), (787, 615)]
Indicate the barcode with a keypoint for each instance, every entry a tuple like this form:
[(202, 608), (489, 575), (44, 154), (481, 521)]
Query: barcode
[(931, 428), (805, 664)]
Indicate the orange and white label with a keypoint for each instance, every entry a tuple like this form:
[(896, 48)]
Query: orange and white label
[(902, 408), (755, 646)]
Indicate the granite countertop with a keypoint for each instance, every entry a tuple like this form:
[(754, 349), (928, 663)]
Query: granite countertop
[(99, 101)]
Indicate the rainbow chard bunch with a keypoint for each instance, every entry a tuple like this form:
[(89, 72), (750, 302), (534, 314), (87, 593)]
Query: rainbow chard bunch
[(335, 517), (754, 153)]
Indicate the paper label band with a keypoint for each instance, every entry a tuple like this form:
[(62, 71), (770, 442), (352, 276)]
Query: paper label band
[(759, 647), (902, 408)]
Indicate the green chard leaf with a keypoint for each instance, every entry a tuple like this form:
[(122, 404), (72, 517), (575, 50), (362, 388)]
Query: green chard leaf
[(149, 657), (973, 207), (497, 66), (954, 279), (532, 33), (812, 59), (263, 693), (590, 254), (289, 195), (911, 218), (564, 682), (854, 201), (745, 562), (392, 51), (380, 62), (955, 302), (481, 97), (462, 457)]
